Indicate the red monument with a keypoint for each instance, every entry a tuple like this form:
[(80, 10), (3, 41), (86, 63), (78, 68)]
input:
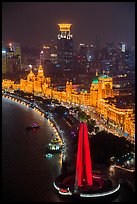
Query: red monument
[(83, 183), (83, 163)]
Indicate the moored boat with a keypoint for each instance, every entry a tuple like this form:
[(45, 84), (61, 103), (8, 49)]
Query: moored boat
[(33, 126)]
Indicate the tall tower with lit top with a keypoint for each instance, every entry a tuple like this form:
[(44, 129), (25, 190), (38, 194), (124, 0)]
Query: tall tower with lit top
[(65, 27), (65, 47)]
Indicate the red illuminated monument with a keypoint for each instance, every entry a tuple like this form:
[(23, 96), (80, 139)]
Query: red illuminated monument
[(84, 183), (83, 163)]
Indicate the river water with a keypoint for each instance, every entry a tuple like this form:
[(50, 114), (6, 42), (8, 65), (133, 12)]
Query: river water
[(26, 174)]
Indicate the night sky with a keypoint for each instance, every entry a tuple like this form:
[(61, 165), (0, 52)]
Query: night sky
[(33, 23)]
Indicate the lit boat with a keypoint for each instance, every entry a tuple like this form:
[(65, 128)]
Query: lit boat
[(53, 148), (48, 155), (33, 126), (56, 140)]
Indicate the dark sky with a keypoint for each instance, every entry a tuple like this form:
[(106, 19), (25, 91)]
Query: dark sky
[(32, 23)]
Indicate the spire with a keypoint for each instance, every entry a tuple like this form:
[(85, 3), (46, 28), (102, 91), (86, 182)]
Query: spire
[(31, 72), (67, 82), (96, 72), (40, 70), (30, 69), (31, 75), (40, 65)]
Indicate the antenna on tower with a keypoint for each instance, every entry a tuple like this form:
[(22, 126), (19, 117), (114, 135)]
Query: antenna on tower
[(40, 62)]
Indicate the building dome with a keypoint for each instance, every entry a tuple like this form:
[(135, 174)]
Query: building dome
[(31, 76), (104, 76), (95, 81), (40, 67)]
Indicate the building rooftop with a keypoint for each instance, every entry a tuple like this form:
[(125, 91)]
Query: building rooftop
[(105, 76), (95, 81)]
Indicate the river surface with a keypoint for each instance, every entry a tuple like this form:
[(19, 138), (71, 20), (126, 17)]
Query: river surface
[(26, 174)]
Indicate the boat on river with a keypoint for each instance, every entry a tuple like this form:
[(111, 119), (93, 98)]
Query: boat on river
[(55, 146), (34, 126)]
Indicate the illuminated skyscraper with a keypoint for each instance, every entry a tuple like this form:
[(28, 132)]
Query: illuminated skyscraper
[(15, 47), (11, 58), (81, 58), (122, 46), (4, 55), (65, 48)]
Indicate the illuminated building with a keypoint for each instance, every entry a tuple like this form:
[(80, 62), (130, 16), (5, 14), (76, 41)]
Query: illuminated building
[(7, 84), (121, 118), (53, 53), (11, 58), (90, 53), (101, 87), (48, 53), (99, 95), (10, 61), (68, 90), (4, 55), (81, 59), (122, 46), (104, 87), (35, 83), (15, 47), (53, 57), (106, 64), (97, 50), (94, 93), (65, 47)]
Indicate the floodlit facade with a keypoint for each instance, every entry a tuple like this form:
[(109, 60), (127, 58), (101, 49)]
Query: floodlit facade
[(98, 96), (35, 84)]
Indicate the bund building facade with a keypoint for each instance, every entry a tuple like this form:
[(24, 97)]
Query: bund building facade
[(98, 96)]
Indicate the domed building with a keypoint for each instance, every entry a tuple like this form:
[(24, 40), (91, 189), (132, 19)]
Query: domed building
[(94, 93), (101, 87), (35, 83)]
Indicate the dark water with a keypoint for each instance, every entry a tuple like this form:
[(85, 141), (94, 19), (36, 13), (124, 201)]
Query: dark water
[(26, 175)]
